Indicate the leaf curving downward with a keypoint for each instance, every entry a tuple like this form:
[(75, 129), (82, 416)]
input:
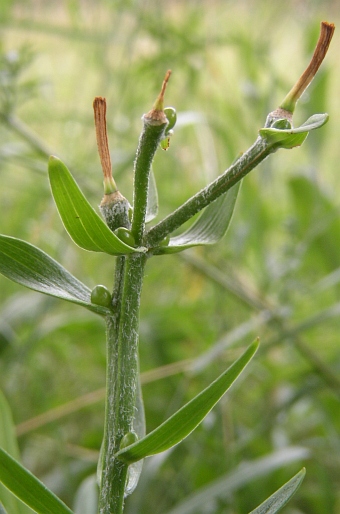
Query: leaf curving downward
[(83, 224), (210, 227), (280, 498), (185, 420), (31, 267), (292, 137)]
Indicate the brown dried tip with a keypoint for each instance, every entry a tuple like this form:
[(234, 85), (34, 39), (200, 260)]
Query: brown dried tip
[(99, 107), (326, 34), (156, 116)]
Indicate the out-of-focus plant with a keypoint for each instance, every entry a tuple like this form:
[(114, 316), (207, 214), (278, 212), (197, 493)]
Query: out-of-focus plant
[(122, 232)]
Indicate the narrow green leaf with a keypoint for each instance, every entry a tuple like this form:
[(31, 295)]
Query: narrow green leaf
[(210, 227), (28, 488), (281, 497), (245, 473), (83, 224), (31, 267), (314, 122), (184, 421), (291, 137), (8, 441), (282, 138)]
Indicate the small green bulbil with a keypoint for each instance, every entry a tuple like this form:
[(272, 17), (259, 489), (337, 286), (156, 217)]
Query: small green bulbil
[(282, 124), (125, 235), (128, 439), (171, 116), (100, 295)]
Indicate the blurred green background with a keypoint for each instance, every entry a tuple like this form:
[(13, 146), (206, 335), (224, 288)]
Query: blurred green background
[(276, 275)]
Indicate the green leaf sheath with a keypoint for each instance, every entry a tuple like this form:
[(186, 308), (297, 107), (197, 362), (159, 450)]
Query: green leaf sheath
[(28, 488), (152, 204), (83, 224), (148, 143), (210, 227), (184, 421), (122, 378), (31, 267), (248, 161), (281, 497), (292, 137)]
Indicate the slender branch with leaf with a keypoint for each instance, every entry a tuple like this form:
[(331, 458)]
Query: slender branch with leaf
[(122, 232)]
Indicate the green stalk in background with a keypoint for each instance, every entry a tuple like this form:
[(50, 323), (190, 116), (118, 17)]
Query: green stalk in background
[(125, 236)]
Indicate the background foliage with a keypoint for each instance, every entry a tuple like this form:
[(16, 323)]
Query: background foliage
[(276, 275)]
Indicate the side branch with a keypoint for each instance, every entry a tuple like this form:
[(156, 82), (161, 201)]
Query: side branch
[(248, 161)]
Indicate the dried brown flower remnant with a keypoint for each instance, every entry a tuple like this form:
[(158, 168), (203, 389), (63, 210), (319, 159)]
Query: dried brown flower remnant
[(114, 206), (156, 116), (326, 34), (99, 107)]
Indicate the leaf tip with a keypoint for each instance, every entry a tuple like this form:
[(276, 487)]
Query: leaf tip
[(53, 162), (52, 159), (255, 344)]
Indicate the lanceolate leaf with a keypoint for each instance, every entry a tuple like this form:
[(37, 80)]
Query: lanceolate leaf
[(245, 473), (291, 137), (210, 227), (84, 225), (279, 499), (31, 267), (9, 443), (184, 421), (28, 488)]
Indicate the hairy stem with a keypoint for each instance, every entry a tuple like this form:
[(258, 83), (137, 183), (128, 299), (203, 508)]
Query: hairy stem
[(122, 378), (148, 143), (155, 123), (248, 161)]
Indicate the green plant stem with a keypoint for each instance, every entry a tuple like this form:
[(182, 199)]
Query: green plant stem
[(28, 135), (248, 161), (122, 378), (148, 143)]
